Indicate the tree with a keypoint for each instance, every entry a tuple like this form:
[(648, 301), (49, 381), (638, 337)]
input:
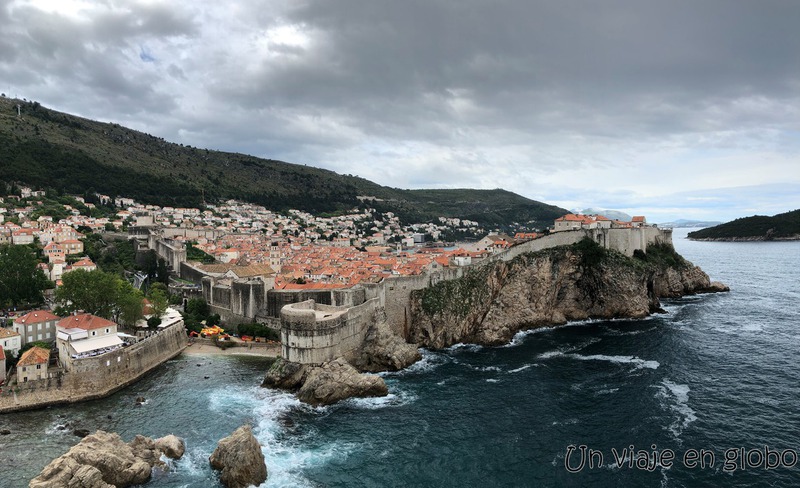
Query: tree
[(95, 292), (21, 280), (129, 306), (158, 302)]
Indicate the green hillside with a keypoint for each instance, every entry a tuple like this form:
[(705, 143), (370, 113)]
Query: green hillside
[(49, 149), (781, 226)]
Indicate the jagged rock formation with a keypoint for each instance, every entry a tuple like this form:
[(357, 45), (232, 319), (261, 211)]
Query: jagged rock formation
[(240, 460), (337, 380), (285, 375), (384, 351), (491, 303), (102, 460), (326, 384), (172, 446)]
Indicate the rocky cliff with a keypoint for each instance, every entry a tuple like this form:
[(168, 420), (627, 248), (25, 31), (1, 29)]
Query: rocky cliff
[(491, 303)]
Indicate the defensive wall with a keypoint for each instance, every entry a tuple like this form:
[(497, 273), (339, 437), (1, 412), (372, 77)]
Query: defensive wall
[(313, 333), (96, 377)]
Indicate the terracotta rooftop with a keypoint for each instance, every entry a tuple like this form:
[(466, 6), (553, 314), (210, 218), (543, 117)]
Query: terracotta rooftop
[(2, 354), (85, 321), (5, 333), (34, 355), (36, 317)]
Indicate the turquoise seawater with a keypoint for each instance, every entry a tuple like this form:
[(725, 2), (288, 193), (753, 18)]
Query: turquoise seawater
[(716, 375)]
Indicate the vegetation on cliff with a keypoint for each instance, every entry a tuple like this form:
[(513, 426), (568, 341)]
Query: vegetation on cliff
[(758, 227), (48, 149)]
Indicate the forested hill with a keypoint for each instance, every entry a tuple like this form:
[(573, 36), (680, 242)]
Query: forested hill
[(49, 149), (757, 227)]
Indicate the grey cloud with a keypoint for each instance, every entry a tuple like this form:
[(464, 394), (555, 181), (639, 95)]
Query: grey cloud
[(508, 93)]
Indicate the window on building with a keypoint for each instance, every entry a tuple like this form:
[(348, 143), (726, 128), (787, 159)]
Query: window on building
[(108, 331), (38, 366), (94, 332)]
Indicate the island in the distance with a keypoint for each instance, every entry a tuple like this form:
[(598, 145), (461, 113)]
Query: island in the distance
[(780, 227)]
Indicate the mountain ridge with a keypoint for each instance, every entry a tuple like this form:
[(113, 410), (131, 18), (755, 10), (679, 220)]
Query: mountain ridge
[(51, 149)]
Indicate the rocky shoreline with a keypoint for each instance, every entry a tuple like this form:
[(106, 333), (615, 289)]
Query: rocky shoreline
[(104, 460)]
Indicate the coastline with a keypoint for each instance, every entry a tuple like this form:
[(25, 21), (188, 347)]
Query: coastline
[(744, 239)]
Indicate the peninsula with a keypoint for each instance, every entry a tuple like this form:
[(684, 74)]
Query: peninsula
[(780, 227)]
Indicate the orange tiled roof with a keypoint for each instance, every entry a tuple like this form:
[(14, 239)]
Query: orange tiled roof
[(36, 317), (34, 355), (85, 321)]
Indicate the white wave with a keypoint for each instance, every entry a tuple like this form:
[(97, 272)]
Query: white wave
[(194, 462), (492, 380), (486, 368), (430, 361), (465, 347), (638, 362), (550, 354), (677, 396), (395, 398), (287, 457), (229, 399), (607, 391), (520, 336), (521, 368)]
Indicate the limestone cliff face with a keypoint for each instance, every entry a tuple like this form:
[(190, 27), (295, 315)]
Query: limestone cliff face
[(491, 303)]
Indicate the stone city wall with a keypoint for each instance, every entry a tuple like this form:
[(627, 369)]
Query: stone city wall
[(99, 376), (313, 333)]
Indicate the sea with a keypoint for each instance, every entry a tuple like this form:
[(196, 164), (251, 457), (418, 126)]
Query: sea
[(705, 395)]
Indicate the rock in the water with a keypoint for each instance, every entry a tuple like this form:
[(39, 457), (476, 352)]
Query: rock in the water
[(172, 446), (240, 460), (140, 399), (337, 380), (99, 460), (5, 432), (384, 351), (145, 449), (285, 375), (717, 287), (80, 432)]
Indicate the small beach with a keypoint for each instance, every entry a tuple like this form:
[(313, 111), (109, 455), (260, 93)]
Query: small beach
[(241, 348)]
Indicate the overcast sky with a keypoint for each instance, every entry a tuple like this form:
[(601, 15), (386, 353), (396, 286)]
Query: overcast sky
[(674, 109)]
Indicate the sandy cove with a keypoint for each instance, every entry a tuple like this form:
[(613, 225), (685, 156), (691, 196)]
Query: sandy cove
[(242, 348)]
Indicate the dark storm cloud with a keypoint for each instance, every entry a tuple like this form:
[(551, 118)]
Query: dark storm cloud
[(648, 66), (631, 98)]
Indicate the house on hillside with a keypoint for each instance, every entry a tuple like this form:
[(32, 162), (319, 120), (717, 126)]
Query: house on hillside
[(38, 325), (32, 365), (10, 341), (22, 236)]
